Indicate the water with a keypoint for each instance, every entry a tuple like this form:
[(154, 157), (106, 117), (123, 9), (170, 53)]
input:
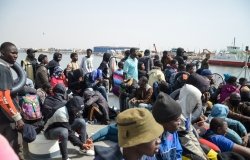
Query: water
[(238, 72)]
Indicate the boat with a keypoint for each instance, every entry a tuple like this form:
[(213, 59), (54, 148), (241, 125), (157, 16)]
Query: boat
[(234, 57)]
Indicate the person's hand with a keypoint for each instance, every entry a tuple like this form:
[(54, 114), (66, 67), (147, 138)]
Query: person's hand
[(86, 146), (19, 124), (245, 140), (133, 100)]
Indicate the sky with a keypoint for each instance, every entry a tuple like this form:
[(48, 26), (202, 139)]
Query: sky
[(191, 24)]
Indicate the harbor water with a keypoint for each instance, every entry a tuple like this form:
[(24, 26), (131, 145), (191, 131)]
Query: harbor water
[(235, 71)]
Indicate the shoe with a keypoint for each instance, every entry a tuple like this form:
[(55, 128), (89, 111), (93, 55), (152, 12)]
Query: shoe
[(88, 152)]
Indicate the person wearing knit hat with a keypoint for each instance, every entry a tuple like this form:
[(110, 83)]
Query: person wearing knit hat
[(167, 112), (138, 133)]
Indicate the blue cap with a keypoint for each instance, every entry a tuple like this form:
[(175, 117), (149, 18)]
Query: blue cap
[(29, 133), (206, 72)]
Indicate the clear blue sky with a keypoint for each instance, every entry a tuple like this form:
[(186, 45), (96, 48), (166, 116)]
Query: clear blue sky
[(192, 24)]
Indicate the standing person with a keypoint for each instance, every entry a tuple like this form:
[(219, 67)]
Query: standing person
[(87, 62), (179, 56), (57, 57), (146, 59), (42, 76), (30, 64), (166, 59), (130, 69), (73, 65), (104, 66), (204, 62), (10, 118)]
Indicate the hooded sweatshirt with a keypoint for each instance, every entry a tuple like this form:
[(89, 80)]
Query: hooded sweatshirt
[(221, 111)]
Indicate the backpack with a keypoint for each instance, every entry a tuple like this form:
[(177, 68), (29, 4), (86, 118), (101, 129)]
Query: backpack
[(30, 107)]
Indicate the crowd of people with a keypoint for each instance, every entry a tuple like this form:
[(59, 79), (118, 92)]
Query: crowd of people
[(169, 109)]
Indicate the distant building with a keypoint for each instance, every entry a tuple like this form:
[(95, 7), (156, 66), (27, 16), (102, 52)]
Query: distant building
[(103, 49)]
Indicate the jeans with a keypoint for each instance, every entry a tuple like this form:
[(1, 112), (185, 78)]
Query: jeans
[(109, 132), (61, 134), (140, 105)]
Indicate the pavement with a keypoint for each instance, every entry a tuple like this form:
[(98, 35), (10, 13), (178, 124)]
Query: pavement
[(91, 129)]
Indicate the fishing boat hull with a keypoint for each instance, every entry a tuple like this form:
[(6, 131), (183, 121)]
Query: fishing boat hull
[(221, 62)]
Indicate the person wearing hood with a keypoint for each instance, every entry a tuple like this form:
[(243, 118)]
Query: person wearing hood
[(94, 101), (104, 66), (42, 76), (222, 111), (179, 56), (228, 88), (156, 74), (62, 121), (30, 64), (57, 57), (191, 105)]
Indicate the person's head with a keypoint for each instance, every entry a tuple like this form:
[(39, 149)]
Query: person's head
[(165, 54), (75, 106), (138, 131), (208, 55), (245, 94), (42, 58), (57, 56), (190, 68), (141, 66), (74, 56), (164, 86), (235, 99), (58, 72), (156, 57), (180, 52), (174, 63), (218, 126), (133, 52), (147, 52), (31, 53), (158, 64), (242, 81), (167, 112), (143, 81), (47, 88), (59, 90), (120, 65), (89, 52), (106, 57), (127, 53), (232, 80), (9, 52), (207, 73)]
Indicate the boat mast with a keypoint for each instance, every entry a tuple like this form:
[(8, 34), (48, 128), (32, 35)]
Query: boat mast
[(234, 41)]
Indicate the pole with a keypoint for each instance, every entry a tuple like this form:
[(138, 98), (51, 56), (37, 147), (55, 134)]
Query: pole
[(155, 48)]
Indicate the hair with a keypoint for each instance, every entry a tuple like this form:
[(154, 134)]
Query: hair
[(46, 86), (144, 79), (216, 123), (89, 50), (120, 64), (158, 64), (73, 54), (163, 87), (56, 55), (165, 53), (157, 57), (173, 61), (127, 53), (242, 80), (140, 64), (146, 52), (4, 46), (189, 66), (232, 80), (132, 50)]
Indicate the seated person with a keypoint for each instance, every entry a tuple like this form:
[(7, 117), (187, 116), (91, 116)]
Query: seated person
[(57, 77), (117, 78), (218, 128), (143, 95), (97, 107), (62, 123), (135, 128), (236, 128)]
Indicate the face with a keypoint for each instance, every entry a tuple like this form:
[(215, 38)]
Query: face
[(134, 54), (59, 58), (75, 58), (142, 83), (46, 61), (89, 53), (31, 55), (149, 148), (142, 66), (10, 54), (222, 130), (173, 125)]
